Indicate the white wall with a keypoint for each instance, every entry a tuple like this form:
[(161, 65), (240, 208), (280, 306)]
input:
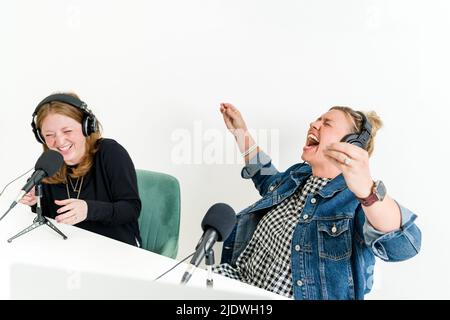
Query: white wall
[(150, 68)]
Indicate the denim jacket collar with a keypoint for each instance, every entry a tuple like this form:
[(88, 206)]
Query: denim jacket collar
[(335, 185)]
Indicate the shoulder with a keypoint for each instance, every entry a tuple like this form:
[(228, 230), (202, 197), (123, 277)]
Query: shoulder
[(110, 150), (106, 145)]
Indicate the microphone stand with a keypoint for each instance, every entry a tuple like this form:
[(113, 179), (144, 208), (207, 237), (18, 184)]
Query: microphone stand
[(39, 220), (209, 264)]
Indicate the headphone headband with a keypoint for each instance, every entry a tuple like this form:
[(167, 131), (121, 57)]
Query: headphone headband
[(88, 124), (64, 98)]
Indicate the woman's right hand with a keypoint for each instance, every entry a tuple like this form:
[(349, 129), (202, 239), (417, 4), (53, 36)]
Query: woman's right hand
[(236, 125), (233, 119), (29, 199)]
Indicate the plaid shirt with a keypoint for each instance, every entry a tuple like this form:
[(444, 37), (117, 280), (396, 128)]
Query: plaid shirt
[(266, 261)]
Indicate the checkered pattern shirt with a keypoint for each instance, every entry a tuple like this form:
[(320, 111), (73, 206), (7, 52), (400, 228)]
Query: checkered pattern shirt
[(266, 261)]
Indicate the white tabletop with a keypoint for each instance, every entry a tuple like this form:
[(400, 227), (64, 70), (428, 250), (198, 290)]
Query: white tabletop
[(40, 264)]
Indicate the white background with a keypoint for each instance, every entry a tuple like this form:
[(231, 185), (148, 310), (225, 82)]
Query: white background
[(151, 68)]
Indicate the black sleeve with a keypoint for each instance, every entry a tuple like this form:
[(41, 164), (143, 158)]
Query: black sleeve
[(118, 168)]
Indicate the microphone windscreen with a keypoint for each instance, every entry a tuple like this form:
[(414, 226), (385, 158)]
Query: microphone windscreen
[(222, 218), (50, 162)]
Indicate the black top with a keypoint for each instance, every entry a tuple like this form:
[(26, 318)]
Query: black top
[(111, 192)]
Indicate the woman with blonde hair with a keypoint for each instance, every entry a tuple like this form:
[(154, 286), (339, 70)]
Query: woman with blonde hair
[(319, 225), (96, 188)]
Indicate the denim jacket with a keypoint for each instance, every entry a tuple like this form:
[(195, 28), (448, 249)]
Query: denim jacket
[(333, 247)]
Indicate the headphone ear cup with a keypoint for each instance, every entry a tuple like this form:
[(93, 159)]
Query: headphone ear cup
[(89, 125), (84, 126), (37, 133), (93, 124), (353, 139), (349, 138), (362, 138), (39, 138)]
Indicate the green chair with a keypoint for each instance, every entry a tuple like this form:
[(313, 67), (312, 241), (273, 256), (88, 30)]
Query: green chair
[(159, 222)]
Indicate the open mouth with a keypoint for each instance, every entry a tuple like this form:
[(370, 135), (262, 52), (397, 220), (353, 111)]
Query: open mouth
[(311, 142), (65, 149)]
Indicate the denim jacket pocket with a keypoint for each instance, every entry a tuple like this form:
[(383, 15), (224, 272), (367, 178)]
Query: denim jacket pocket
[(334, 239)]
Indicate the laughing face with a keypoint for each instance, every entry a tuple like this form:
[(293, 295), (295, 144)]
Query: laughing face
[(329, 128), (64, 134)]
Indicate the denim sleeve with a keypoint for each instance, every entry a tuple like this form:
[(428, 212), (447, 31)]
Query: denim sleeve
[(262, 172), (257, 163), (397, 245)]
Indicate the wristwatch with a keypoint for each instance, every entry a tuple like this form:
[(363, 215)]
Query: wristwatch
[(378, 194)]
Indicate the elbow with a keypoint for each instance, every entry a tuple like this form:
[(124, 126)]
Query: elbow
[(404, 246), (137, 206)]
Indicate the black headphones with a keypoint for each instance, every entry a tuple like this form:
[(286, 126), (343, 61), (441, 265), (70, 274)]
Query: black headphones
[(88, 124), (362, 138)]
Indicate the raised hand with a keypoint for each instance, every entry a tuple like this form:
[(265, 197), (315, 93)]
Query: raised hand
[(233, 119), (236, 125)]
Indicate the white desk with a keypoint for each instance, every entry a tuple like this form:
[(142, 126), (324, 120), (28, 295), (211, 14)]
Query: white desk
[(42, 265)]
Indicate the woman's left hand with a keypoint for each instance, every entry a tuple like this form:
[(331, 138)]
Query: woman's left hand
[(73, 211), (353, 162)]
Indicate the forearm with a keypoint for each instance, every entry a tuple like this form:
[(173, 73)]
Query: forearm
[(384, 216), (244, 142), (113, 213)]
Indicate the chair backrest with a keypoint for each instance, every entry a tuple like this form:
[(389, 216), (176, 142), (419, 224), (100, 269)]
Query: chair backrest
[(159, 221)]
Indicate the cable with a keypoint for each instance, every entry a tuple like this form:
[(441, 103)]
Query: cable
[(1, 193), (175, 266), (4, 215)]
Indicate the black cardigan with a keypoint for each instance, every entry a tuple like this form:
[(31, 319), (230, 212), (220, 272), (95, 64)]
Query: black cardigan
[(111, 192)]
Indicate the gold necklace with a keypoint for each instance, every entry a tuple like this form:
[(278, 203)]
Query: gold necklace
[(74, 188)]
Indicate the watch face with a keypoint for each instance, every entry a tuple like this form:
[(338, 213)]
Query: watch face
[(380, 190)]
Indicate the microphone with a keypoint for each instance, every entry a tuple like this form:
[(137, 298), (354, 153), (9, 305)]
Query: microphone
[(217, 225), (46, 166)]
